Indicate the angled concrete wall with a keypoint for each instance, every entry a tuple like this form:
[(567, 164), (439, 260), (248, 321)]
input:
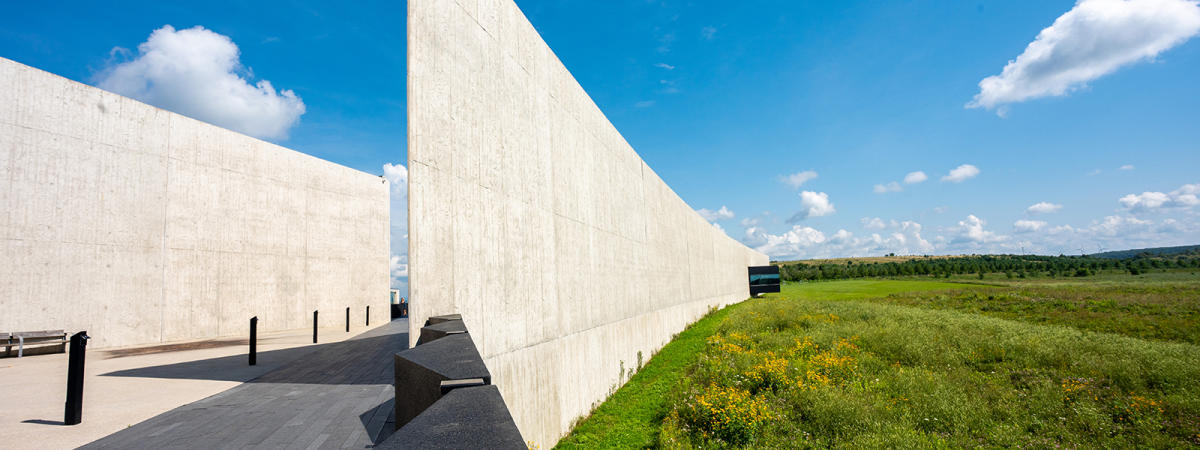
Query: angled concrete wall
[(144, 226), (532, 217)]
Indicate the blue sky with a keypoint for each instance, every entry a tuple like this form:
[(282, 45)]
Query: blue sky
[(727, 103)]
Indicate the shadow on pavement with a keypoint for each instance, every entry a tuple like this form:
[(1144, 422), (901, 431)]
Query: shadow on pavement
[(364, 359)]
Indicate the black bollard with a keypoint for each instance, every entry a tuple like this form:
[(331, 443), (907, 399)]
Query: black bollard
[(347, 319), (368, 315), (74, 409), (314, 327), (254, 340)]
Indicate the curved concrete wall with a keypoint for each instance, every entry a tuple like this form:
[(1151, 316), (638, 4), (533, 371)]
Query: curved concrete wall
[(143, 226), (532, 217)]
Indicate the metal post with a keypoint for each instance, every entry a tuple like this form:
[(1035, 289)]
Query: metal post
[(347, 319), (74, 409), (314, 327), (368, 315), (254, 340)]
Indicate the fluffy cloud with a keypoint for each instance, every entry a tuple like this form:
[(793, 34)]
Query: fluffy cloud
[(197, 73), (799, 178), (720, 214), (806, 242), (1043, 208), (874, 223), (915, 177), (1184, 197), (398, 267), (397, 178), (1027, 226), (971, 231), (1093, 39), (664, 66), (885, 188), (961, 173), (813, 204), (1126, 167)]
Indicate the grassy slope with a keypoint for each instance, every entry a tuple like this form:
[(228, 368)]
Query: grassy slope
[(934, 362), (863, 374), (1161, 307), (632, 417)]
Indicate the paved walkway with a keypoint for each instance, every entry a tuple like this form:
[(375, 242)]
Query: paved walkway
[(126, 386), (337, 396)]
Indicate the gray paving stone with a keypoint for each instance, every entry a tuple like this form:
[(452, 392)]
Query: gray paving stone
[(339, 395)]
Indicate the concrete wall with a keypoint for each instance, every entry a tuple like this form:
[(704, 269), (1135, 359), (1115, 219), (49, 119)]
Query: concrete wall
[(144, 226), (532, 217)]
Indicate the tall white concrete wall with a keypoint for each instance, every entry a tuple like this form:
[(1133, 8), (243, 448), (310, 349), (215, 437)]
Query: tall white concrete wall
[(531, 216), (143, 226)]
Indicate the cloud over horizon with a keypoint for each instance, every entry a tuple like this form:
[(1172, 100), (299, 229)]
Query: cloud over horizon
[(1043, 208), (1184, 197), (198, 73), (397, 178), (713, 216), (1093, 39), (961, 173), (799, 178), (813, 204)]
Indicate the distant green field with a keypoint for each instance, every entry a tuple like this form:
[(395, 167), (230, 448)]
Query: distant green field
[(1097, 362)]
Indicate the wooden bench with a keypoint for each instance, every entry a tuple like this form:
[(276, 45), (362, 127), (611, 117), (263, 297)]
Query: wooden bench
[(34, 342)]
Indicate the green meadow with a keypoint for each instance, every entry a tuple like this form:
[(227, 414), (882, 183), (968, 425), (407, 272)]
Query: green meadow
[(1106, 361)]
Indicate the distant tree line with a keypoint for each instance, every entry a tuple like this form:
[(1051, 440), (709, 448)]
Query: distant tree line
[(1014, 266)]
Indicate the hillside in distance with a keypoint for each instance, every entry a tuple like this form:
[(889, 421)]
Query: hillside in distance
[(1156, 251)]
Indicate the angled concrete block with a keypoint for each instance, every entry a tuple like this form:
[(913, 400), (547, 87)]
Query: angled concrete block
[(467, 417), (440, 330), (420, 372)]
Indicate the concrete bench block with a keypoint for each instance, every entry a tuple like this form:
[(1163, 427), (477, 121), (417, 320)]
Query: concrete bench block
[(467, 418), (421, 371), (441, 330), (434, 320)]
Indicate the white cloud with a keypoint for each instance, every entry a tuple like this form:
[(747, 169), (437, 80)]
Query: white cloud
[(806, 242), (197, 73), (720, 214), (885, 188), (749, 222), (664, 66), (813, 204), (874, 223), (644, 104), (1184, 197), (398, 267), (971, 230), (961, 173), (1093, 39), (799, 178), (1026, 226), (915, 177), (708, 32), (397, 177), (1126, 167), (1043, 208)]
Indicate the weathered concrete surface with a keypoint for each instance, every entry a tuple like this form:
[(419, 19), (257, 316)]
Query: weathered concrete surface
[(532, 217), (142, 226)]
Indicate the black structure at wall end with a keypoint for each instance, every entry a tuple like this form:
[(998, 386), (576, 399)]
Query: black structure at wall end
[(763, 279), (444, 396)]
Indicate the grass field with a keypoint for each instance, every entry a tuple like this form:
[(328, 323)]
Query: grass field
[(1101, 362)]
